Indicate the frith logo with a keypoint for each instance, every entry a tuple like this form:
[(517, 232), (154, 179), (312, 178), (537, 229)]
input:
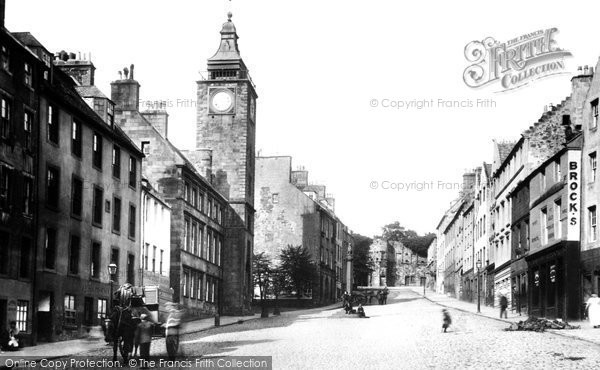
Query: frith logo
[(514, 63)]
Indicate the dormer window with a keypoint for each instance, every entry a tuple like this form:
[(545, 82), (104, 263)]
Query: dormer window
[(5, 58), (110, 111), (99, 106), (27, 79), (594, 122)]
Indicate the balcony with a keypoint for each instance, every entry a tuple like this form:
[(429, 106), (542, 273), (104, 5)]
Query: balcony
[(226, 74)]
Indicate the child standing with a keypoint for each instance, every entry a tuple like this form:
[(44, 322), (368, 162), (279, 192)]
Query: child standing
[(447, 320), (144, 335)]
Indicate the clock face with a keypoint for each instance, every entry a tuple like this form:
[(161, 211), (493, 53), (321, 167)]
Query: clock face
[(222, 101)]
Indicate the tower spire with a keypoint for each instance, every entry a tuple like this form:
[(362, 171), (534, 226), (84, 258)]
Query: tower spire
[(228, 55)]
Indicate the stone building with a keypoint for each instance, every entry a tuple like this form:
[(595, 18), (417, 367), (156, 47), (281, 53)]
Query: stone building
[(88, 201), (197, 208), (155, 251), (21, 76), (410, 268), (537, 144), (432, 265), (226, 131), (290, 211), (383, 256), (482, 252), (586, 90), (551, 245)]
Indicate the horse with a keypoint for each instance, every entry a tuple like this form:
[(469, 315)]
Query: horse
[(120, 329), (122, 322)]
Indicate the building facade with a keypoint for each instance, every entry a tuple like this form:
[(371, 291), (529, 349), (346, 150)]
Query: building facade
[(291, 212), (155, 251), (21, 74), (197, 209), (88, 203)]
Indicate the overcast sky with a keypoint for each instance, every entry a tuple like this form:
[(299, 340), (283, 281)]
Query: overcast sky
[(317, 66)]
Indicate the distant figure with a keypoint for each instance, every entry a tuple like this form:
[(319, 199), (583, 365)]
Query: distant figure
[(361, 311), (503, 307), (446, 319), (345, 298), (348, 306), (144, 335), (593, 308), (379, 297), (384, 294)]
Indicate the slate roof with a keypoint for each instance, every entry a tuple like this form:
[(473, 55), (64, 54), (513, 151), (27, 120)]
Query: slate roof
[(90, 92)]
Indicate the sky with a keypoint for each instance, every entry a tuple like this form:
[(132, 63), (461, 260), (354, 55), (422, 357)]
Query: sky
[(326, 74)]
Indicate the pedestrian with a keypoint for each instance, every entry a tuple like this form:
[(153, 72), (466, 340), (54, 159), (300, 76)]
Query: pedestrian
[(136, 336), (446, 320), (361, 311), (14, 339), (385, 294), (379, 298), (172, 327), (593, 308), (345, 298), (503, 306), (144, 335)]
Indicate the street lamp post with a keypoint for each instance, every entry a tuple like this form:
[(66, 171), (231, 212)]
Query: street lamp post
[(112, 270), (478, 264)]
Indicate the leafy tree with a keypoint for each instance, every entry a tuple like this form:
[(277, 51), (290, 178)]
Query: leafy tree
[(362, 264), (262, 271), (298, 269), (419, 244), (394, 232)]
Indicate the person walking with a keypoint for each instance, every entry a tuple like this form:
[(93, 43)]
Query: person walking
[(172, 330), (384, 295), (503, 307), (593, 308), (144, 336), (446, 320)]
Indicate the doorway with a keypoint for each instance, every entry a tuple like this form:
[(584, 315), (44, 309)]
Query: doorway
[(44, 312)]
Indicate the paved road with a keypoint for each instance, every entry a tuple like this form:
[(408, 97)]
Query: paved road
[(405, 334)]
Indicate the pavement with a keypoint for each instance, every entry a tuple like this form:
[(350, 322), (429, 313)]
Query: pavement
[(96, 340), (585, 333)]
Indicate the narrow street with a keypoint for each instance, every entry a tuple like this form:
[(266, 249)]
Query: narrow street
[(406, 333)]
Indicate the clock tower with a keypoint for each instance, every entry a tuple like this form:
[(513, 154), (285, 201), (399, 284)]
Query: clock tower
[(226, 121)]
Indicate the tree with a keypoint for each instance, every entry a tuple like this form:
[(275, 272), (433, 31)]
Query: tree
[(262, 271), (394, 232), (362, 264), (298, 269)]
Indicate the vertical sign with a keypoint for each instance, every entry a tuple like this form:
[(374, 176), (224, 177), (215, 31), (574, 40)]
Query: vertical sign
[(573, 194)]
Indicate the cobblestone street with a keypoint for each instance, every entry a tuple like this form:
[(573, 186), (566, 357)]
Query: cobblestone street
[(406, 333)]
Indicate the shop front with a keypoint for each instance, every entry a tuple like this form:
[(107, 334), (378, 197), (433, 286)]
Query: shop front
[(553, 275)]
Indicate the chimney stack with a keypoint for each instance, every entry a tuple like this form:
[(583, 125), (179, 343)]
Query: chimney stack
[(125, 92), (202, 161), (2, 12), (158, 118), (81, 70)]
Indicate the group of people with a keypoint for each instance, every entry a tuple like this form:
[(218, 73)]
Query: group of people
[(10, 339), (347, 304), (143, 333)]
